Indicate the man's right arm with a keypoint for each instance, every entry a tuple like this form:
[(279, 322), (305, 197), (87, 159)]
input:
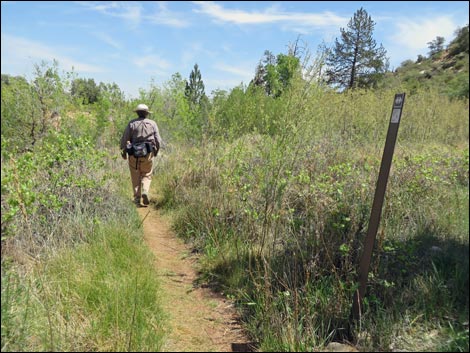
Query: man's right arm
[(125, 137)]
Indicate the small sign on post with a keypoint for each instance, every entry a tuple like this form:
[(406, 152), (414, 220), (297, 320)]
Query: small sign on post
[(377, 204)]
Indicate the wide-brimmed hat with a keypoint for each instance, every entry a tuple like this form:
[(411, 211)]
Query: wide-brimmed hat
[(142, 108)]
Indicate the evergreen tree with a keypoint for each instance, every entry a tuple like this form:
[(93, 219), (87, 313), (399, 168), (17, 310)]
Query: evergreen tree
[(265, 74), (260, 73), (194, 91), (355, 60), (436, 46)]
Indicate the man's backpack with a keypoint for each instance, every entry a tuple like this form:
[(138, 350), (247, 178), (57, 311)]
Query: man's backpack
[(140, 149)]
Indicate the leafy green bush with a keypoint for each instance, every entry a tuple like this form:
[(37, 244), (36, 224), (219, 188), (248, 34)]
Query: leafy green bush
[(63, 177), (281, 216)]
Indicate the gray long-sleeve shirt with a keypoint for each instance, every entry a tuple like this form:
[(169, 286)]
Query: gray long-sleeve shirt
[(142, 130)]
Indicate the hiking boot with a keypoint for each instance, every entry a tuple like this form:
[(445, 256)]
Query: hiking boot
[(145, 199), (137, 201)]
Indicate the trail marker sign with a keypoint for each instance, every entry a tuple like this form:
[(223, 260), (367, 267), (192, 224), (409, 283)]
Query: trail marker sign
[(376, 211)]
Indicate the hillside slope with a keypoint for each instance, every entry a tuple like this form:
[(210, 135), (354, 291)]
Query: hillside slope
[(445, 70)]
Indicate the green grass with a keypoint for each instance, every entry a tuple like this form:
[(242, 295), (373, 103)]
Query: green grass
[(79, 277), (102, 295), (280, 222), (276, 198)]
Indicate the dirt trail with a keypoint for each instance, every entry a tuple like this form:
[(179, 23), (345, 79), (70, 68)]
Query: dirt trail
[(199, 319)]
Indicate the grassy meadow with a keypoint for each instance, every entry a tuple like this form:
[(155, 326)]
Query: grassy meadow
[(280, 215), (274, 193)]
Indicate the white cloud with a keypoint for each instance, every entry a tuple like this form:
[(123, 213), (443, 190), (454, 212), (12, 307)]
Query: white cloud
[(411, 37), (245, 73), (131, 13), (297, 21), (415, 35), (152, 63), (167, 17), (18, 51), (233, 76)]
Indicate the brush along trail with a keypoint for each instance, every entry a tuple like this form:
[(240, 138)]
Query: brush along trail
[(199, 320)]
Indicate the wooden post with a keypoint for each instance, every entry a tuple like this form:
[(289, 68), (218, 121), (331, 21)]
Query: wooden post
[(377, 204)]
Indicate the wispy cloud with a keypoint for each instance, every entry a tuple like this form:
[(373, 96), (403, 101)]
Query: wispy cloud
[(135, 14), (16, 50), (129, 11), (298, 21), (411, 36), (195, 52), (152, 64), (244, 72), (162, 15), (106, 38)]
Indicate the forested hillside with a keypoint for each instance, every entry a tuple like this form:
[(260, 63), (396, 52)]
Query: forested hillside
[(272, 185), (444, 68)]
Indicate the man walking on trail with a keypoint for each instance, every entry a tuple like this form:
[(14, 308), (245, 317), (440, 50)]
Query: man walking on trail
[(141, 142)]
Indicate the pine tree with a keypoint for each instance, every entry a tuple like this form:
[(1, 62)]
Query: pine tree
[(195, 87), (355, 60), (259, 79), (436, 46)]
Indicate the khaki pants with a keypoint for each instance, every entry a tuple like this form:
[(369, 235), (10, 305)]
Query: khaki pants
[(141, 174)]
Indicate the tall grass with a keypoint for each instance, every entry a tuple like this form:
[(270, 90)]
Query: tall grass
[(76, 274), (276, 197), (100, 296), (281, 216)]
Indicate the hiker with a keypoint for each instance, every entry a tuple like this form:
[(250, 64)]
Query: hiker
[(141, 142)]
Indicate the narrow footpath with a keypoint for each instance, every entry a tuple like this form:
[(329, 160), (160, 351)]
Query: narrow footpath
[(199, 320)]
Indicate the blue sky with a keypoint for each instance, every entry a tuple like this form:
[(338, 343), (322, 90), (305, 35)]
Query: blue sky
[(135, 43)]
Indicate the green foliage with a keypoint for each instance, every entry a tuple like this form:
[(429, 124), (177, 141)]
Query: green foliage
[(436, 46), (458, 86), (18, 108), (177, 120), (245, 111), (59, 210), (85, 90), (15, 294), (460, 44), (280, 210), (458, 341), (277, 73), (28, 109), (445, 71), (40, 188), (197, 119), (276, 199), (99, 296), (48, 85)]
